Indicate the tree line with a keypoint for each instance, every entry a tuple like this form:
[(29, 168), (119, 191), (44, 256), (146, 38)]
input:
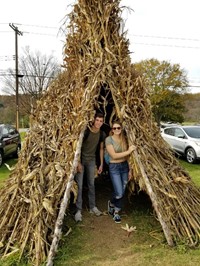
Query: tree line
[(167, 85)]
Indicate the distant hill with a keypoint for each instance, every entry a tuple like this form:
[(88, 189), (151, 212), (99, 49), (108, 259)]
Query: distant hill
[(192, 104)]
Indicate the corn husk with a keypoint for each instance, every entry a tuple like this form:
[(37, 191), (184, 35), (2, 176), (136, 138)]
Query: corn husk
[(98, 74)]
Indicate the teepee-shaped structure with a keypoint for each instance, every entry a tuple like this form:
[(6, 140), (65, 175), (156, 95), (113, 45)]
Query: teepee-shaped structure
[(98, 75)]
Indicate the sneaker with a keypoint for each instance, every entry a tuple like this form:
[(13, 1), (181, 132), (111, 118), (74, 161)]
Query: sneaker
[(96, 211), (78, 216), (110, 209), (117, 218)]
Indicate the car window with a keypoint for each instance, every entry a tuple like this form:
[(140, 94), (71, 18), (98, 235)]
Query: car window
[(169, 131), (4, 131), (179, 133), (193, 132), (11, 130)]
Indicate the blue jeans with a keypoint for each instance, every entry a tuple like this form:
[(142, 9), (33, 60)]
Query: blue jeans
[(119, 177), (89, 169)]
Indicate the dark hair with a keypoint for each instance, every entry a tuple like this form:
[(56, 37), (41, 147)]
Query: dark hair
[(100, 115)]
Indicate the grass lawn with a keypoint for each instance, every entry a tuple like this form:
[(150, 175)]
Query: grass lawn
[(4, 172), (98, 241), (193, 170)]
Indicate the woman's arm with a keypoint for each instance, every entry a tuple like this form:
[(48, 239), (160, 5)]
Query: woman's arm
[(118, 155)]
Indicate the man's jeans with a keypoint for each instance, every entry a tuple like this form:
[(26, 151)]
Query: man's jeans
[(89, 169), (119, 177)]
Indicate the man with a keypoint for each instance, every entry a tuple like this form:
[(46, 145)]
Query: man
[(92, 141)]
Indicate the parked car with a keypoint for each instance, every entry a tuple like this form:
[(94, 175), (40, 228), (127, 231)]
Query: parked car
[(184, 140), (168, 124), (10, 142)]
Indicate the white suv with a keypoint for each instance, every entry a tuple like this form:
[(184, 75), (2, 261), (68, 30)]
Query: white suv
[(184, 140)]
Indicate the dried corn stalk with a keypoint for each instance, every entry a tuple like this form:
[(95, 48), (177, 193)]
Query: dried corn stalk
[(98, 74)]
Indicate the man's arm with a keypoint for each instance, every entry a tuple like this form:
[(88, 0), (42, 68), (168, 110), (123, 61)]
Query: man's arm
[(101, 151)]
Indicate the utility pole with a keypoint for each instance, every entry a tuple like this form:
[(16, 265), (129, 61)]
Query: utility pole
[(17, 32)]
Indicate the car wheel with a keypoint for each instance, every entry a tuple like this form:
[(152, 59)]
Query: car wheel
[(191, 155), (1, 158)]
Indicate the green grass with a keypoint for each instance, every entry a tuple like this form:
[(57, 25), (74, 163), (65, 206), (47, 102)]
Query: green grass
[(4, 172), (193, 170), (23, 135), (146, 247)]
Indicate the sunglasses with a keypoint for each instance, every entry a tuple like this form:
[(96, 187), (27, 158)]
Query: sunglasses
[(118, 128)]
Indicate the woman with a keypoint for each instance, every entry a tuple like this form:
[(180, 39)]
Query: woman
[(117, 148)]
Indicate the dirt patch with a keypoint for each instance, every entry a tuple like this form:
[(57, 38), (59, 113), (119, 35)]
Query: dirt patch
[(99, 241), (107, 242)]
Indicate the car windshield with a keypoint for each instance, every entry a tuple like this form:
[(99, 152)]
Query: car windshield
[(193, 132)]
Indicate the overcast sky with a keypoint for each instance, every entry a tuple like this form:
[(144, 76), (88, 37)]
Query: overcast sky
[(165, 30)]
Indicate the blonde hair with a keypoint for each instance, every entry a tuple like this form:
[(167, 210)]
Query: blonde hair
[(123, 139)]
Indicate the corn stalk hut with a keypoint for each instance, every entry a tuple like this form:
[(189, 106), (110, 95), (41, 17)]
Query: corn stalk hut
[(98, 75)]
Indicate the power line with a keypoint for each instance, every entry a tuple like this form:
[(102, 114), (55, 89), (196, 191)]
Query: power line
[(29, 25), (165, 37), (37, 33), (7, 57), (136, 35), (167, 45), (32, 76), (37, 26), (36, 76), (193, 86)]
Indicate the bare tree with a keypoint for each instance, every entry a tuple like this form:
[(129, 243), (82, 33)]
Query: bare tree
[(36, 72)]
